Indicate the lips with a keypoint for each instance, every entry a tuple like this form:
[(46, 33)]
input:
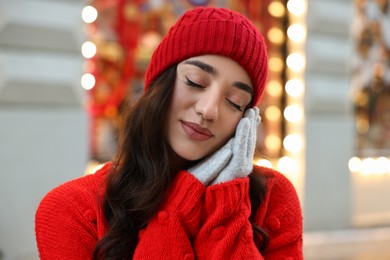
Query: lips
[(195, 131)]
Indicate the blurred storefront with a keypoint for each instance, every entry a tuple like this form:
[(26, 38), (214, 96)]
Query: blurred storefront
[(370, 92)]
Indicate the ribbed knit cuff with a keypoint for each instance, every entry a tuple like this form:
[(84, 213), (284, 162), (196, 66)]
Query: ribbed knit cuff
[(184, 200), (225, 199)]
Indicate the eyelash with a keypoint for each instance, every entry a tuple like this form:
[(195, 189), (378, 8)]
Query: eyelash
[(238, 107), (194, 85)]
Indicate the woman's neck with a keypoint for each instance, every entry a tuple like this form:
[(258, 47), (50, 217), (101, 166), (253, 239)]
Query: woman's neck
[(179, 163)]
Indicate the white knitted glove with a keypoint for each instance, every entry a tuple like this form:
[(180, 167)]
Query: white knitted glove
[(244, 143), (206, 170)]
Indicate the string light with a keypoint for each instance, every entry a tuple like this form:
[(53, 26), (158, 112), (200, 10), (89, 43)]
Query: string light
[(296, 7), (88, 81), (272, 113), (369, 166), (272, 142), (292, 163), (354, 164), (89, 14), (264, 163), (274, 88), (287, 165), (295, 62), (293, 113), (293, 143), (296, 33), (276, 35), (294, 87), (88, 49), (275, 64), (276, 9), (382, 165)]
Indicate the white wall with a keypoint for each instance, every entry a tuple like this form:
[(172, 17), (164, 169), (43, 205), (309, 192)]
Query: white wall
[(43, 124), (329, 119)]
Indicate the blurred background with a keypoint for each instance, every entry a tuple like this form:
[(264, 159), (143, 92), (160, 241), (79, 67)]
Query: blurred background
[(67, 67)]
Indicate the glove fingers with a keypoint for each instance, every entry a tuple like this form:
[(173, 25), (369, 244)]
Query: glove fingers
[(257, 115), (217, 165), (251, 140), (210, 167), (241, 136), (219, 162), (251, 115), (250, 112), (241, 163)]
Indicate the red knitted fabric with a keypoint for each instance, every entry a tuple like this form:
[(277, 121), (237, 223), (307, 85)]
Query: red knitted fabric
[(194, 222), (211, 30)]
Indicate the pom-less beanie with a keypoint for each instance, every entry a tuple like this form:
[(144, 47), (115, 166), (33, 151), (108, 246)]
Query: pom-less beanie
[(212, 30)]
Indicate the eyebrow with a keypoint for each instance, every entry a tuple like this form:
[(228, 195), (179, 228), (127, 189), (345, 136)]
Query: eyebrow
[(203, 66), (211, 70), (243, 86)]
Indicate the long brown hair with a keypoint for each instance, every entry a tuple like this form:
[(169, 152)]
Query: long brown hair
[(142, 172)]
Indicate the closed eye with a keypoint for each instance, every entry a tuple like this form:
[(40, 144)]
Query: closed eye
[(196, 85), (193, 84), (236, 106)]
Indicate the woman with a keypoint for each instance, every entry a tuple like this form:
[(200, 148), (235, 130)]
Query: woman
[(183, 185)]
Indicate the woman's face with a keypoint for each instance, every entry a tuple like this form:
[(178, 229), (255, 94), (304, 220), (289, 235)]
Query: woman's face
[(210, 96)]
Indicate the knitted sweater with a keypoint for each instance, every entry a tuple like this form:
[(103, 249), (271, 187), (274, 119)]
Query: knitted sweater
[(194, 221)]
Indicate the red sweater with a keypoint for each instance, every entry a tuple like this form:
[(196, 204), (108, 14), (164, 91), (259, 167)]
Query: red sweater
[(194, 221)]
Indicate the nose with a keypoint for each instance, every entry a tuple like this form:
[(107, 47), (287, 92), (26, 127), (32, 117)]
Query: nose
[(208, 106)]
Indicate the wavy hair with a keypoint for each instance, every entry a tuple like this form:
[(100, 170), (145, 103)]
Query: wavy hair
[(143, 170)]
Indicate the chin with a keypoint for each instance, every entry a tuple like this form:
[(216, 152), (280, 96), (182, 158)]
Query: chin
[(189, 154)]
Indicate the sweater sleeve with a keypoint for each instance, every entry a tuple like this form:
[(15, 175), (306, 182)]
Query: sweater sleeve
[(226, 232), (170, 232), (280, 215), (64, 228)]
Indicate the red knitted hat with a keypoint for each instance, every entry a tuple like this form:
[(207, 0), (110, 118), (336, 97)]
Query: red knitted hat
[(211, 30)]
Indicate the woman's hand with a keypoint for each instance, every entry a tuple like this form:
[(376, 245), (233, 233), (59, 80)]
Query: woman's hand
[(234, 159), (209, 168), (243, 148)]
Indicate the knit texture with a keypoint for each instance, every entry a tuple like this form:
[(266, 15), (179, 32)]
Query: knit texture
[(211, 30), (194, 222)]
